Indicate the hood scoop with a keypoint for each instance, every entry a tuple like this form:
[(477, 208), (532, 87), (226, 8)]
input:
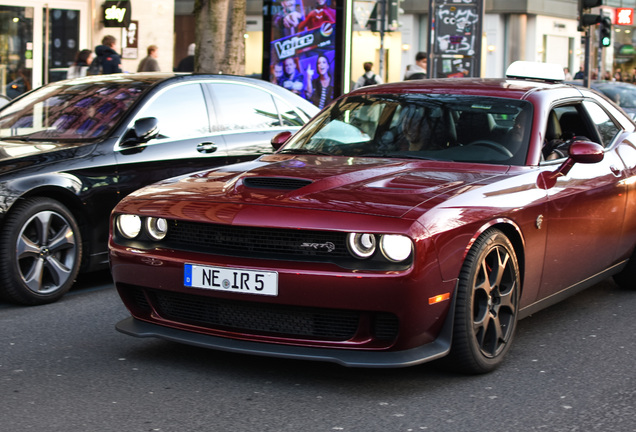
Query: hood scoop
[(279, 183)]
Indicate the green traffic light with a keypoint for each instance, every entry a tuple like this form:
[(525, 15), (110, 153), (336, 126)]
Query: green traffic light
[(606, 41)]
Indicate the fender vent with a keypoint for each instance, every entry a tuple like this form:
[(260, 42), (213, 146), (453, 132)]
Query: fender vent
[(275, 183)]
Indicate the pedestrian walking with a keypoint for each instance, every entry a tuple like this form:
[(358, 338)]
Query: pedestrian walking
[(80, 66), (150, 63), (368, 77), (107, 59), (419, 69)]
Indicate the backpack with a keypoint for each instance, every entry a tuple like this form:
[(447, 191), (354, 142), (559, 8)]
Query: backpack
[(369, 81), (96, 67)]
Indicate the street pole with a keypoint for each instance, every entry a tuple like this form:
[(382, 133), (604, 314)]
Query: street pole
[(586, 75), (382, 29)]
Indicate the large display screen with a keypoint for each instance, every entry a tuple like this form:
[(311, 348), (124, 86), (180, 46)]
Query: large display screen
[(302, 51)]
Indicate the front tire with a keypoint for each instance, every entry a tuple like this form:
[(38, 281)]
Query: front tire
[(486, 305), (42, 250)]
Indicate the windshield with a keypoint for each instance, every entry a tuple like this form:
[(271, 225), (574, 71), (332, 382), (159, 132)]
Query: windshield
[(624, 96), (83, 110), (440, 127)]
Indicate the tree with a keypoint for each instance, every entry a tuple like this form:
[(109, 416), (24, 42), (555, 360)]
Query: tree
[(220, 26)]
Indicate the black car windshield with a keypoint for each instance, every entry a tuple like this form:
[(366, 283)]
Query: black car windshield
[(462, 128), (623, 95), (85, 110)]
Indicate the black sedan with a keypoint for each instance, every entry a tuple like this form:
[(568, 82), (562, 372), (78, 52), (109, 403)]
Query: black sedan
[(71, 150)]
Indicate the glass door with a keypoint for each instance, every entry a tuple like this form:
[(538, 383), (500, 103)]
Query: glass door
[(16, 50), (62, 43)]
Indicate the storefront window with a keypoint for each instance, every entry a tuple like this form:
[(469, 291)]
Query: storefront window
[(16, 50), (63, 40)]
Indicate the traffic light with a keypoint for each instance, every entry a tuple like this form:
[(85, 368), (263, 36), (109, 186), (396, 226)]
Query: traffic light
[(606, 32), (586, 20)]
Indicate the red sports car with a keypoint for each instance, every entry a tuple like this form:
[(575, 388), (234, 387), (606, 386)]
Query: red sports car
[(405, 223)]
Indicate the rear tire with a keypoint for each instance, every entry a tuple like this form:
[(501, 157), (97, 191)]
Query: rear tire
[(42, 250), (486, 305)]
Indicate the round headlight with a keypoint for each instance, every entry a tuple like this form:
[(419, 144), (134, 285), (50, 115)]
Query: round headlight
[(361, 245), (396, 248), (157, 228), (129, 225)]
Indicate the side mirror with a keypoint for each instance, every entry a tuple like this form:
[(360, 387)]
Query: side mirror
[(585, 152), (280, 139), (142, 131)]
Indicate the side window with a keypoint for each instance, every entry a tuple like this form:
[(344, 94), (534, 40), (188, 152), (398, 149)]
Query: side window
[(604, 124), (181, 111), (565, 122), (241, 107)]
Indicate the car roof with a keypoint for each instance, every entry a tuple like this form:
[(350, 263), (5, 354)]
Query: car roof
[(159, 77), (496, 87)]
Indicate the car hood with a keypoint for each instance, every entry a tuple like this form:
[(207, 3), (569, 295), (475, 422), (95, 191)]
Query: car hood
[(21, 154), (375, 186)]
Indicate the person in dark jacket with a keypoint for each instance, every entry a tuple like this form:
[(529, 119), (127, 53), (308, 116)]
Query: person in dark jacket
[(187, 63), (110, 60), (418, 70)]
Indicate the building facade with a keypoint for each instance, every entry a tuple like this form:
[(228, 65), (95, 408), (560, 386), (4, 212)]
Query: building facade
[(40, 38)]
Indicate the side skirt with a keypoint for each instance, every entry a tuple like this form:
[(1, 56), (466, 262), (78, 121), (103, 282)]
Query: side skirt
[(570, 291)]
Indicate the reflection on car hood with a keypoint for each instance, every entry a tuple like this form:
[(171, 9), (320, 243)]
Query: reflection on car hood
[(35, 152), (387, 187)]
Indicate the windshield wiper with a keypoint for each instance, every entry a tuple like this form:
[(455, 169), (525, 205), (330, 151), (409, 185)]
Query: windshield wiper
[(303, 151)]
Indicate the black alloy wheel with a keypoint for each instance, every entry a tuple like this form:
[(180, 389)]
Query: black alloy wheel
[(42, 249), (487, 304)]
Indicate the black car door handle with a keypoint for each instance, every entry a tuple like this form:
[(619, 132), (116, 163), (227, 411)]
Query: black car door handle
[(206, 147)]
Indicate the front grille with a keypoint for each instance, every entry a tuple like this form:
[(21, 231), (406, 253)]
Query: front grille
[(265, 318), (254, 241)]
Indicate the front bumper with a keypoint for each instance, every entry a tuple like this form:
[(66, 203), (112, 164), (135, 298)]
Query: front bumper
[(352, 358)]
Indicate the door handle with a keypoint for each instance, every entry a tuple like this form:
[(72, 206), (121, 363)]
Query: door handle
[(206, 147), (615, 170)]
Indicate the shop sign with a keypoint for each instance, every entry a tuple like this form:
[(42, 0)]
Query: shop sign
[(626, 50), (129, 41), (117, 13), (624, 16)]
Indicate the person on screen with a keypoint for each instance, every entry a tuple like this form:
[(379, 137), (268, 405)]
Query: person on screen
[(321, 14), (277, 75), (292, 78), (285, 22), (320, 89)]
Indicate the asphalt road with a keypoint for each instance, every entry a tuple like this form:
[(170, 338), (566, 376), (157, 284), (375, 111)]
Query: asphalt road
[(63, 367)]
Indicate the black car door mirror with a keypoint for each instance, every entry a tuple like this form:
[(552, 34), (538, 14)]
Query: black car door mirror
[(142, 131)]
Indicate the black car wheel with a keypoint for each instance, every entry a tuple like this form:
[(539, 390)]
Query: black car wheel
[(42, 250), (487, 304)]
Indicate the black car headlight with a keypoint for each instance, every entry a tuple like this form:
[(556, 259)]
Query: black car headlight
[(133, 226), (128, 225), (157, 228), (361, 245), (394, 247)]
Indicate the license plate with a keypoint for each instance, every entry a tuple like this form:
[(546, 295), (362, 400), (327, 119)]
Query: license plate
[(231, 279)]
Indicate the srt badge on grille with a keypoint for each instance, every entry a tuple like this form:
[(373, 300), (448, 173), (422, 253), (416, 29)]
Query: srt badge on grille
[(328, 246)]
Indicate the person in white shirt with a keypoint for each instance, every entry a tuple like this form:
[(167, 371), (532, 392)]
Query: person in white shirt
[(80, 66)]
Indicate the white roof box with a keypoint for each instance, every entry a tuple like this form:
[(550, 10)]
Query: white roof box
[(535, 71)]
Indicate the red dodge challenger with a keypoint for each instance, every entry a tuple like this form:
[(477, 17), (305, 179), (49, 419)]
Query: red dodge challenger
[(405, 223)]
